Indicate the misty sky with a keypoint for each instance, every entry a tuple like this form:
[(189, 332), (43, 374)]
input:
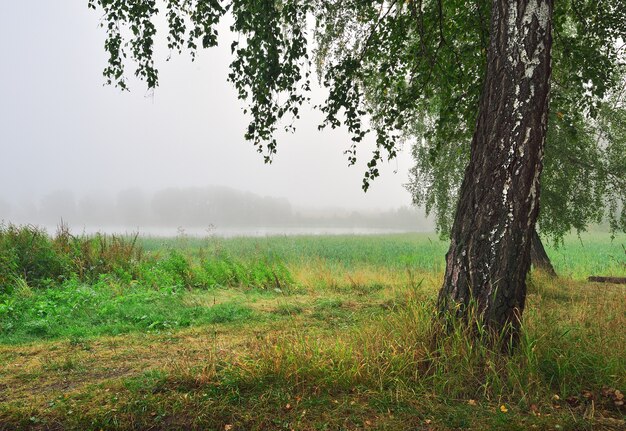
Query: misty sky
[(60, 128)]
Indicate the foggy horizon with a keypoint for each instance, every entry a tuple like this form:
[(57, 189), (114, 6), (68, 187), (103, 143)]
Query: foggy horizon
[(218, 209), (62, 130)]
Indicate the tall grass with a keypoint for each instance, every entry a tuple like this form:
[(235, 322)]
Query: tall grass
[(29, 255), (564, 350), (79, 286), (319, 333), (592, 253)]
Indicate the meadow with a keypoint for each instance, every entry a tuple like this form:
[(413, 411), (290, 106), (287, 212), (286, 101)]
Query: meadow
[(294, 333)]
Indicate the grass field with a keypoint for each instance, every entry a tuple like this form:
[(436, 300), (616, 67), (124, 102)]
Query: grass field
[(303, 333)]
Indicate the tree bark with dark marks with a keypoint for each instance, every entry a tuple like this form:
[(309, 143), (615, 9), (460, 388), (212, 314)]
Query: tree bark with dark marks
[(489, 254), (539, 259)]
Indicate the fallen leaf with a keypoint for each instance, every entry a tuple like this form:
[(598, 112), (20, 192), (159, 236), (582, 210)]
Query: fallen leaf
[(573, 401), (534, 409)]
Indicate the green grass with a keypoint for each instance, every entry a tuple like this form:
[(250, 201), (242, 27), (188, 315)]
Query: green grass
[(592, 253), (75, 310), (307, 333)]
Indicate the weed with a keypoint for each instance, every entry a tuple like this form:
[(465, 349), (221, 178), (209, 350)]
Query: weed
[(288, 309)]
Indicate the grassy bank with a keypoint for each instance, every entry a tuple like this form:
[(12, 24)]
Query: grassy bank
[(305, 333)]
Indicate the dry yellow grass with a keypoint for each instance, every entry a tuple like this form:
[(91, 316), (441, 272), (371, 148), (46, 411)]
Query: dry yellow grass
[(349, 350)]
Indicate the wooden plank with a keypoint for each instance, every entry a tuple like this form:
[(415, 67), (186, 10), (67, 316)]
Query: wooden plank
[(614, 280)]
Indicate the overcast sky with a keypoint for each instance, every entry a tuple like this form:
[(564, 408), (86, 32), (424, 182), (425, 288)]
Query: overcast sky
[(61, 129)]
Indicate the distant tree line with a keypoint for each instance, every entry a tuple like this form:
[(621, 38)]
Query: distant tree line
[(197, 207)]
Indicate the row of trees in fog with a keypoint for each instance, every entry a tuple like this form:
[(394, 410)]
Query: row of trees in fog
[(194, 206)]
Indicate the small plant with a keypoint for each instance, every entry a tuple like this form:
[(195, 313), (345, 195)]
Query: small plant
[(288, 309), (66, 365)]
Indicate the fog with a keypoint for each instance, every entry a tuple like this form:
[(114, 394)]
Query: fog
[(95, 156), (200, 210)]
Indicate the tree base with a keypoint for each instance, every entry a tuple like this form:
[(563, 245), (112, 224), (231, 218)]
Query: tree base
[(538, 256)]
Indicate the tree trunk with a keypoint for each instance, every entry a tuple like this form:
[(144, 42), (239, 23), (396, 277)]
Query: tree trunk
[(538, 256), (489, 253)]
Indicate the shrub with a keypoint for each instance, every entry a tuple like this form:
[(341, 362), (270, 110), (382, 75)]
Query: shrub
[(27, 252), (101, 254), (178, 268)]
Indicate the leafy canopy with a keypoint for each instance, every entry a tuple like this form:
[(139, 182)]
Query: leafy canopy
[(410, 69), (584, 176)]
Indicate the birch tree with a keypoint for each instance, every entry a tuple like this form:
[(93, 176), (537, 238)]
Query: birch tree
[(382, 62)]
